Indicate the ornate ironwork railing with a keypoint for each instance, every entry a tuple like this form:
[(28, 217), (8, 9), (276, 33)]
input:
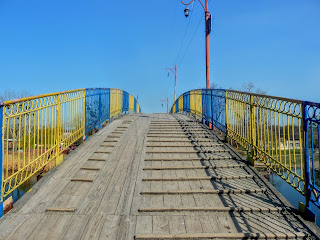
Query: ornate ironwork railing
[(282, 133), (36, 130)]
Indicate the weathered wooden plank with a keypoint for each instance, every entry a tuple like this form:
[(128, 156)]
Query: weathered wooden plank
[(193, 224), (81, 180), (11, 222), (144, 225), (26, 228), (107, 145), (198, 178), (60, 209), (194, 167), (60, 227), (110, 227), (160, 225), (44, 227), (104, 183), (130, 184), (97, 159), (93, 227), (170, 200), (190, 159), (182, 141), (157, 186), (279, 235), (185, 146), (90, 168), (176, 225), (77, 227), (214, 209), (101, 151), (187, 151), (222, 191)]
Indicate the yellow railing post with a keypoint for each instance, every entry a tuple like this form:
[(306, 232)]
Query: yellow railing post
[(227, 117), (1, 159), (84, 115), (41, 127), (252, 133), (58, 138)]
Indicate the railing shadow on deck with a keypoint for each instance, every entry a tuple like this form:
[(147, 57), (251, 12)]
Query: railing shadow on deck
[(241, 221)]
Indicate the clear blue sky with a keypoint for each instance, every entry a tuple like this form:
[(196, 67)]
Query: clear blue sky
[(48, 46)]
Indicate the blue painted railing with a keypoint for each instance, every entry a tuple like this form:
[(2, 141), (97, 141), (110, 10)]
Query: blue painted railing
[(311, 118), (104, 103)]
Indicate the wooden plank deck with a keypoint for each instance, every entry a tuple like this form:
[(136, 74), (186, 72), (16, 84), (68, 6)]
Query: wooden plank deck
[(155, 176)]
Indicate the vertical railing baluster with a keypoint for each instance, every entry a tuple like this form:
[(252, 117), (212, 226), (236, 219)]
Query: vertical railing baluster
[(319, 145), (227, 115), (99, 126), (58, 138), (306, 154), (84, 114), (252, 140), (1, 159)]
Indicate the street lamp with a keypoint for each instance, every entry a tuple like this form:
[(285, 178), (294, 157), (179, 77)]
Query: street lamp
[(186, 12), (175, 80), (167, 101), (208, 30)]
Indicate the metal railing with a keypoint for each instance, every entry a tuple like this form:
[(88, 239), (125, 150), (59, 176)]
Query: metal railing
[(279, 132), (36, 130), (311, 118)]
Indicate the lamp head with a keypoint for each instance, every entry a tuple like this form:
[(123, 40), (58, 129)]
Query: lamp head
[(186, 12)]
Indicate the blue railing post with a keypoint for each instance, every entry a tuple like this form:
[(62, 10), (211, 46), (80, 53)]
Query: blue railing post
[(99, 127), (109, 104), (1, 160), (308, 189), (306, 156)]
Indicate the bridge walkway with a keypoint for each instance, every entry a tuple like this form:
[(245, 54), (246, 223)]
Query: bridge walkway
[(156, 176)]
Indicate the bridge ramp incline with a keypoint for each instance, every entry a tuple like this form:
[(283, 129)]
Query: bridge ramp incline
[(154, 176)]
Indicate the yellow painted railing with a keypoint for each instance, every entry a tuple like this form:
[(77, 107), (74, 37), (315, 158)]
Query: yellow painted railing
[(271, 130), (36, 130), (115, 101)]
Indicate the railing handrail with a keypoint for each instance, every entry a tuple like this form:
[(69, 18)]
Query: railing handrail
[(7, 102), (253, 94), (276, 130)]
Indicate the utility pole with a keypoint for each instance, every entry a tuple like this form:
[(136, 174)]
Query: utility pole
[(208, 29), (175, 79), (166, 100)]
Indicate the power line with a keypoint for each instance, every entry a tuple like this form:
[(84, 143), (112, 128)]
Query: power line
[(191, 39), (190, 43), (185, 32)]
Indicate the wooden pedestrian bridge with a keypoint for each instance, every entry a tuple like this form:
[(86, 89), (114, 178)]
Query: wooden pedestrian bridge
[(152, 176)]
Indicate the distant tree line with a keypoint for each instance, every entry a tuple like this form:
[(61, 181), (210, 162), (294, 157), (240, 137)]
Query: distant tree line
[(10, 94), (246, 87)]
